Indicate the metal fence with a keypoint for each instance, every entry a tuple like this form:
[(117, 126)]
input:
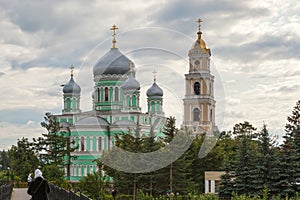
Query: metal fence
[(58, 193), (6, 191)]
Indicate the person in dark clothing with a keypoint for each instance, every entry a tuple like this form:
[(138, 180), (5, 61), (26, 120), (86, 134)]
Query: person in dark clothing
[(39, 187), (114, 193)]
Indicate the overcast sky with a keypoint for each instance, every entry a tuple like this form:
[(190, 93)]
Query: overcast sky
[(255, 55)]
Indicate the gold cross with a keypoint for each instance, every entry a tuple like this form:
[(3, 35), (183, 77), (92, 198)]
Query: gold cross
[(72, 68), (114, 28), (199, 24), (154, 75)]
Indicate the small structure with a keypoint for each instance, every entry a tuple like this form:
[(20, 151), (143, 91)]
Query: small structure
[(212, 181)]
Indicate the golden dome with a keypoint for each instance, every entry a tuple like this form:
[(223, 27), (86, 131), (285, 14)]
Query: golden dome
[(199, 45)]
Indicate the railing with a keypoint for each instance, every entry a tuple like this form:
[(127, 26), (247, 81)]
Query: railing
[(58, 193), (6, 191)]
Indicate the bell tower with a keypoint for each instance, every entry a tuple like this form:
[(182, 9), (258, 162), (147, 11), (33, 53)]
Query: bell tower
[(198, 102)]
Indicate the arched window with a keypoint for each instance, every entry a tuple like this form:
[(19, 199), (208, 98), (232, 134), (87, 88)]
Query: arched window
[(116, 94), (128, 101), (82, 146), (98, 94), (211, 115), (197, 88), (197, 63), (106, 94), (68, 103), (100, 144), (196, 115), (133, 100)]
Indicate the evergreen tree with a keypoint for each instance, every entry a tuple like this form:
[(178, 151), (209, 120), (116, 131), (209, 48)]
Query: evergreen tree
[(125, 182), (283, 185), (289, 176), (55, 143), (226, 183), (266, 166), (180, 171), (244, 163)]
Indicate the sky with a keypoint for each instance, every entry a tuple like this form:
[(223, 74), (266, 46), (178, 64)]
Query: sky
[(255, 56)]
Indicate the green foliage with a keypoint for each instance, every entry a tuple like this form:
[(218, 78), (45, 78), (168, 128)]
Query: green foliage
[(55, 143), (95, 185), (22, 159), (53, 174), (4, 160)]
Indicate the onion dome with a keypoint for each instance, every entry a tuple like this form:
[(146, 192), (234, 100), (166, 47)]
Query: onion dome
[(155, 90), (131, 83), (113, 62), (71, 87)]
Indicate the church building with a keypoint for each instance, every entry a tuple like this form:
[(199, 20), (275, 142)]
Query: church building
[(116, 105)]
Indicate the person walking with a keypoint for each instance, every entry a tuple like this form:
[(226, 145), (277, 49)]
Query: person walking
[(29, 179), (39, 187)]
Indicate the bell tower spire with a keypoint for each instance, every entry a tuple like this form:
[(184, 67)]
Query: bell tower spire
[(199, 103)]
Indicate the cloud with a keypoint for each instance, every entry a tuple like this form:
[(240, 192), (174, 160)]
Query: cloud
[(11, 132), (232, 101)]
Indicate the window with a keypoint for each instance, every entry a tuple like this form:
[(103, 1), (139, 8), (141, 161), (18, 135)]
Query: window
[(133, 100), (197, 88), (106, 93), (211, 115), (196, 115), (98, 94), (100, 144), (197, 65), (82, 143), (116, 94)]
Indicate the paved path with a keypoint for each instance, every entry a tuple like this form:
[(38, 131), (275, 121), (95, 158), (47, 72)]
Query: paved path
[(20, 194)]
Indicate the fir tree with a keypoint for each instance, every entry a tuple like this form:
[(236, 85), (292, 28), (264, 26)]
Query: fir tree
[(243, 166), (289, 176), (226, 182), (55, 143), (266, 167)]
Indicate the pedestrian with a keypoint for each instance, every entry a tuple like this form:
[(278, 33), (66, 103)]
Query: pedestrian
[(29, 179), (114, 193), (39, 187)]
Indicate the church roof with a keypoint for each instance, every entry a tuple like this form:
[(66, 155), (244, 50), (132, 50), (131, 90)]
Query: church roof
[(155, 91), (131, 83), (113, 62), (71, 87), (93, 120)]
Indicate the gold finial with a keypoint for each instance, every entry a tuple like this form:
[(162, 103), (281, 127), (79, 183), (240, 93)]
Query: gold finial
[(199, 28), (131, 66), (72, 68), (114, 28), (154, 75)]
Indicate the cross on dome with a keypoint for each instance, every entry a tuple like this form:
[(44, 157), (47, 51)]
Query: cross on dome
[(154, 75), (72, 68), (114, 28), (199, 28)]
